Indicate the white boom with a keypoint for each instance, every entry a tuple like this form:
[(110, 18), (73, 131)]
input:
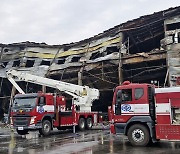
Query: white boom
[(82, 95)]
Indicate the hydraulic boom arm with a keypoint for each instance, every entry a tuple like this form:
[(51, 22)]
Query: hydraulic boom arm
[(82, 95)]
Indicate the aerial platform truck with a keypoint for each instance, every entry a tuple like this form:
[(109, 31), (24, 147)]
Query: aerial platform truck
[(145, 114), (45, 111)]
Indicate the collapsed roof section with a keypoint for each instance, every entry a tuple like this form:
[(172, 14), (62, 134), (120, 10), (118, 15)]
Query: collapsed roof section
[(140, 37), (130, 51)]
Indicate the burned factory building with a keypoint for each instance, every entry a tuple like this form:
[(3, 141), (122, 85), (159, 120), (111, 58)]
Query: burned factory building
[(143, 50)]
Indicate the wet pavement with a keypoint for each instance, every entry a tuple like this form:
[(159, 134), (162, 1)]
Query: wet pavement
[(88, 142)]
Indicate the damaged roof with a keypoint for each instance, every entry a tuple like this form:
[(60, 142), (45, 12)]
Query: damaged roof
[(140, 35)]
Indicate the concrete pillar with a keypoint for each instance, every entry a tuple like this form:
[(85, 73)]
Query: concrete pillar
[(80, 76)]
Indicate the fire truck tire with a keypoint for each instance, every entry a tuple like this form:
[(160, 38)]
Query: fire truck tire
[(22, 132), (138, 135), (89, 123), (46, 128), (81, 124)]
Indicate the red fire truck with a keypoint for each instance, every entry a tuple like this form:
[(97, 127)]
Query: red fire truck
[(45, 111), (145, 114)]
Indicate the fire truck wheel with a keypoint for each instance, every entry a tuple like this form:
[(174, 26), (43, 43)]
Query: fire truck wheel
[(22, 132), (89, 123), (138, 135), (46, 128), (81, 124)]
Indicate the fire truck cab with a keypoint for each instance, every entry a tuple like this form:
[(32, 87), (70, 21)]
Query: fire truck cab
[(31, 111), (144, 113)]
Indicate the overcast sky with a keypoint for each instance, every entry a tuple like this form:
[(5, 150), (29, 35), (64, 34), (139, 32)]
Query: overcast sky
[(66, 21)]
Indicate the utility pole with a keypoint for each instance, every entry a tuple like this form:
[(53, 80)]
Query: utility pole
[(120, 67), (120, 60)]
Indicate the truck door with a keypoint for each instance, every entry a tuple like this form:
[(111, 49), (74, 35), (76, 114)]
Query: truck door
[(122, 101), (41, 104), (123, 98)]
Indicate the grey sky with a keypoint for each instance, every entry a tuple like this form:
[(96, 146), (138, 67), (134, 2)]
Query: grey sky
[(66, 21)]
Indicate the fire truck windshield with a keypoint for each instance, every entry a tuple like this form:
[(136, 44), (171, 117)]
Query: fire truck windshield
[(24, 102)]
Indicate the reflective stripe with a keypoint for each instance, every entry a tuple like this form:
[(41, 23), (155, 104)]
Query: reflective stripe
[(167, 90)]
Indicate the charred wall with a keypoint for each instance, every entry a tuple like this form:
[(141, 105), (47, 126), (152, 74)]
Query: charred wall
[(95, 61)]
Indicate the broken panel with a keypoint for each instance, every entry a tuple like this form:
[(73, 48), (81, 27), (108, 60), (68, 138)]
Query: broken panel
[(172, 45)]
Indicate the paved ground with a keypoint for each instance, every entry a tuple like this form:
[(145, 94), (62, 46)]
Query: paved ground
[(88, 142)]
